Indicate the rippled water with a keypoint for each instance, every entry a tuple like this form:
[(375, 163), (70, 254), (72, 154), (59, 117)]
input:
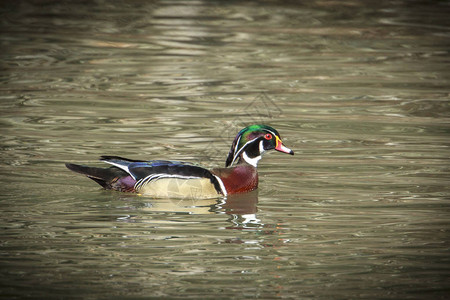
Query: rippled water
[(359, 90)]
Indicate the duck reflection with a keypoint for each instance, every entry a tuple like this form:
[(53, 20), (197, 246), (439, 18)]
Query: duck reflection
[(242, 208)]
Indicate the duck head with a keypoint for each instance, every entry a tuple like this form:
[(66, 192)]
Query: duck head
[(252, 142)]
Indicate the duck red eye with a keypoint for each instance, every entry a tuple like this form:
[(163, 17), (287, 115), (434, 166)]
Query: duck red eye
[(268, 136)]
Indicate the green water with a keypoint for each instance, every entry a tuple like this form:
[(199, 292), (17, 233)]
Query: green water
[(358, 89)]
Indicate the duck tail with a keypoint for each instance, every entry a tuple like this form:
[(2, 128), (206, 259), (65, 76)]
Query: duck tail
[(106, 177)]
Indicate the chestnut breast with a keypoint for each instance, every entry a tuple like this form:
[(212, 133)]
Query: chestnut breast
[(239, 179)]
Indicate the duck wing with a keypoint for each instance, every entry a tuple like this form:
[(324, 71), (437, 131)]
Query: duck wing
[(146, 172)]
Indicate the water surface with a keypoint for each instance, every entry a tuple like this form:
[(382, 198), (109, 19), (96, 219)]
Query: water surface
[(359, 90)]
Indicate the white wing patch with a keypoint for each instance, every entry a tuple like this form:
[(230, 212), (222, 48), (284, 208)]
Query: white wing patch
[(125, 168)]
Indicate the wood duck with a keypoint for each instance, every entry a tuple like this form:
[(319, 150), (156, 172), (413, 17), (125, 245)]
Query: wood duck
[(174, 179)]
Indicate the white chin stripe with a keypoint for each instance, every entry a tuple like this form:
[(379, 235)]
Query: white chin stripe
[(251, 161), (261, 148)]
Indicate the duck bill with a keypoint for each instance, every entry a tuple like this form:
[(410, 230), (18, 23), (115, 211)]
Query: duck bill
[(282, 148)]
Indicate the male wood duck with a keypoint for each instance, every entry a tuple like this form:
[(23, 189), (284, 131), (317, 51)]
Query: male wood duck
[(173, 179)]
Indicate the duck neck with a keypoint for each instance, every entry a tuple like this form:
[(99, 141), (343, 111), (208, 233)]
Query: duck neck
[(246, 159), (252, 154)]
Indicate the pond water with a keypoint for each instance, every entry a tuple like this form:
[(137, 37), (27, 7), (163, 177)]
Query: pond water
[(358, 89)]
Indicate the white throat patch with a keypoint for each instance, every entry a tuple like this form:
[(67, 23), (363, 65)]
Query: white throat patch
[(254, 161)]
